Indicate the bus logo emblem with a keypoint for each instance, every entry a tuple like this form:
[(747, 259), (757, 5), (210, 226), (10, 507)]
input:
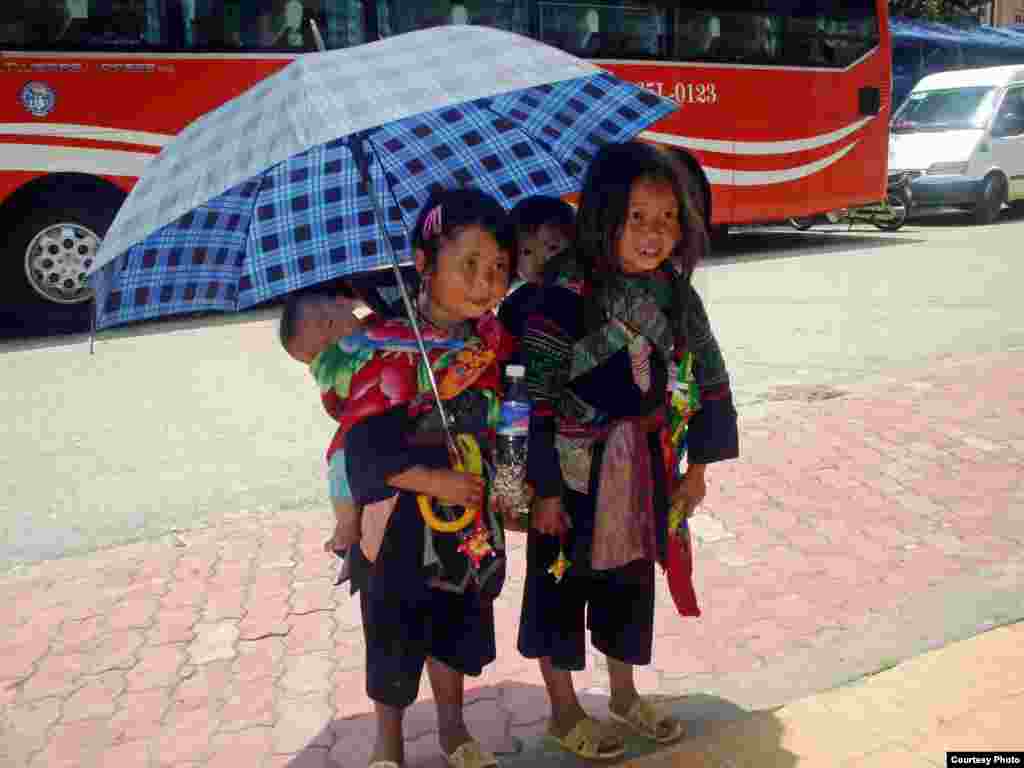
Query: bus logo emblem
[(38, 99)]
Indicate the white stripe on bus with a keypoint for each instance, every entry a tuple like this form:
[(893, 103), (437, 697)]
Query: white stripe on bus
[(50, 159), (108, 162), (722, 177), (727, 147), (91, 132)]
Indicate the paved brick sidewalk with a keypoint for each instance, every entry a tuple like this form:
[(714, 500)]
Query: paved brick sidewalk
[(855, 532), (967, 696)]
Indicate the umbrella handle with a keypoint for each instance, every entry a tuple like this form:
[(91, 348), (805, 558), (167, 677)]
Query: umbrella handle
[(473, 463)]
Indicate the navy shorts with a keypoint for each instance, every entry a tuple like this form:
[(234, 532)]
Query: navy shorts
[(405, 621), (616, 605)]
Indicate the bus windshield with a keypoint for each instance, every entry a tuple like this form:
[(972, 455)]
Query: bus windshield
[(945, 110)]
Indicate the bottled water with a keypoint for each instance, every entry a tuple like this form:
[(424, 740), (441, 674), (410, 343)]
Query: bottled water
[(513, 437)]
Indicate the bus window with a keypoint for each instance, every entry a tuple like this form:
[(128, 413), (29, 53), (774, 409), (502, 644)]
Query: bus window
[(835, 36), (827, 33), (609, 30), (395, 17), (87, 23), (271, 25)]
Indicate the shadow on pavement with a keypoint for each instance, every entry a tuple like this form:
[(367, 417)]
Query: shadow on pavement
[(753, 245), (42, 333), (518, 738)]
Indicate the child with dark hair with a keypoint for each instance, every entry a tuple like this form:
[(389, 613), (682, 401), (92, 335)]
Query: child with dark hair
[(610, 351), (426, 591), (312, 323), (544, 227)]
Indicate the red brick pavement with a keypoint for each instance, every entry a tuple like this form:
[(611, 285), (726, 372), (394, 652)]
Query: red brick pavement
[(228, 645)]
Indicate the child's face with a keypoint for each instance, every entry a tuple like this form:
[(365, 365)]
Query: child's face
[(536, 248), (470, 277), (323, 321), (652, 227)]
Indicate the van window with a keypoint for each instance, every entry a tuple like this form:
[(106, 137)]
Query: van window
[(946, 109), (1010, 118)]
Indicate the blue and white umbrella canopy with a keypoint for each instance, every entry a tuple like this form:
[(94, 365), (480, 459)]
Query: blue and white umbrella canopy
[(266, 195)]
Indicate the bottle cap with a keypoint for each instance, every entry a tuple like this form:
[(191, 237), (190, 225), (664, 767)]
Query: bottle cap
[(516, 371)]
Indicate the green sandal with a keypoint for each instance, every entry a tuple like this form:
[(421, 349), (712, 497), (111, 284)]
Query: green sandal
[(586, 738)]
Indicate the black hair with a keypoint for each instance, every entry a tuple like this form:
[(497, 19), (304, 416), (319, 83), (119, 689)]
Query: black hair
[(462, 208), (295, 305), (532, 213), (604, 206), (291, 315)]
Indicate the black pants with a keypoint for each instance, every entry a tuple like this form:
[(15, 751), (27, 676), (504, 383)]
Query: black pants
[(405, 621), (617, 605)]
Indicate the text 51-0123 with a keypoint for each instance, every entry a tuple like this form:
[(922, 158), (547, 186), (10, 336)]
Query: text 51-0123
[(685, 93)]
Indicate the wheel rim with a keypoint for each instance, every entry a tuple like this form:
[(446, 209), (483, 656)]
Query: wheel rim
[(56, 261), (996, 195), (897, 208)]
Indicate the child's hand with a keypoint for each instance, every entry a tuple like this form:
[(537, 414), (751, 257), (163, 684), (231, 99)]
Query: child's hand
[(692, 487), (345, 535), (459, 489), (549, 516)]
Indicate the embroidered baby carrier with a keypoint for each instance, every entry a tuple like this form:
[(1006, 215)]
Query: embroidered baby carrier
[(381, 368)]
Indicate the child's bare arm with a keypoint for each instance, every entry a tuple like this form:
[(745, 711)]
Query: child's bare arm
[(448, 486)]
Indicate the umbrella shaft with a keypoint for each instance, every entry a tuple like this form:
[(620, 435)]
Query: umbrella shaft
[(362, 162)]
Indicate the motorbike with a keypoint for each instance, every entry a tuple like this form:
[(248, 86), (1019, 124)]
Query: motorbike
[(888, 215)]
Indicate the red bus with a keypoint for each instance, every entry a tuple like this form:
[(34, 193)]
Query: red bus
[(784, 103)]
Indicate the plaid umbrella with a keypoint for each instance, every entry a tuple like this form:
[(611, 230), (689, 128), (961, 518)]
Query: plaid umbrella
[(285, 186)]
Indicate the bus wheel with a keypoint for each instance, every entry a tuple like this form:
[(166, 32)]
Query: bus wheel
[(47, 259), (990, 201)]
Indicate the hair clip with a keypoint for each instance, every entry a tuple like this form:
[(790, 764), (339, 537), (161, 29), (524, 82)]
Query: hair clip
[(432, 223)]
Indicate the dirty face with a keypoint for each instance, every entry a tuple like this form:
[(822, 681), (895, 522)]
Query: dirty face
[(469, 279), (537, 248), (652, 228)]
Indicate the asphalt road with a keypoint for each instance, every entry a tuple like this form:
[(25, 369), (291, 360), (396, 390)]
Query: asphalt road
[(169, 425)]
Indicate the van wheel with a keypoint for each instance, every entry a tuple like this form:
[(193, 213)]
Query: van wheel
[(990, 201)]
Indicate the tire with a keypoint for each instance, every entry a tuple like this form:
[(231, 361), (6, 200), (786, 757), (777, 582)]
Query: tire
[(990, 201), (802, 223), (719, 236), (47, 255), (900, 209)]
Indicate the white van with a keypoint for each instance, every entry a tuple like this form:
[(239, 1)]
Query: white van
[(959, 136)]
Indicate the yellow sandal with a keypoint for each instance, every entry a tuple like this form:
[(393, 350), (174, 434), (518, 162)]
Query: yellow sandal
[(471, 755), (644, 718), (586, 738)]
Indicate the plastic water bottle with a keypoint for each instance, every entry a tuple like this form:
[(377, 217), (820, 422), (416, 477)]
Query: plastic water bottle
[(513, 437)]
